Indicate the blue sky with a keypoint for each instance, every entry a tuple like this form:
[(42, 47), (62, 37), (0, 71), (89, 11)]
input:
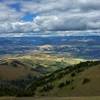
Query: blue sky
[(16, 6), (49, 17)]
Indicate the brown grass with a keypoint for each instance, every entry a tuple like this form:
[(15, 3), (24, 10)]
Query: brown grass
[(51, 98)]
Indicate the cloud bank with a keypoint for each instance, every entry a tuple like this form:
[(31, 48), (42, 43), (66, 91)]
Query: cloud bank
[(49, 15)]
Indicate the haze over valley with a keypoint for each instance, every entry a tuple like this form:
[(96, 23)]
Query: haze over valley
[(83, 47)]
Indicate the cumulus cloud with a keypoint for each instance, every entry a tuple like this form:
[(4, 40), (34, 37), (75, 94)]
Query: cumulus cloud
[(17, 27), (69, 22), (51, 15), (45, 6), (7, 14)]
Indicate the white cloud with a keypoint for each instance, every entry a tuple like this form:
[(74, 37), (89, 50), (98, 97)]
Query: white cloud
[(52, 6), (8, 14), (69, 21), (17, 27), (52, 15)]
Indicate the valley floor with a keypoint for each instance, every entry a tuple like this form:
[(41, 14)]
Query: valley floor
[(52, 98)]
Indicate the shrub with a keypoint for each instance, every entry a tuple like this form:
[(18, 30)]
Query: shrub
[(62, 84), (73, 74), (72, 88), (67, 82), (47, 87), (85, 80)]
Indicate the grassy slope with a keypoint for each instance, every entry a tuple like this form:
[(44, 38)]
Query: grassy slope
[(24, 65), (76, 88), (10, 69), (14, 69), (51, 98), (47, 58)]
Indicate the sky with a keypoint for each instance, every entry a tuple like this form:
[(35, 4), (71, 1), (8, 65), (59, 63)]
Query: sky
[(63, 17)]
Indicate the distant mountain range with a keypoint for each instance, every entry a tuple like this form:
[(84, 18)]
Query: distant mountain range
[(87, 47)]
